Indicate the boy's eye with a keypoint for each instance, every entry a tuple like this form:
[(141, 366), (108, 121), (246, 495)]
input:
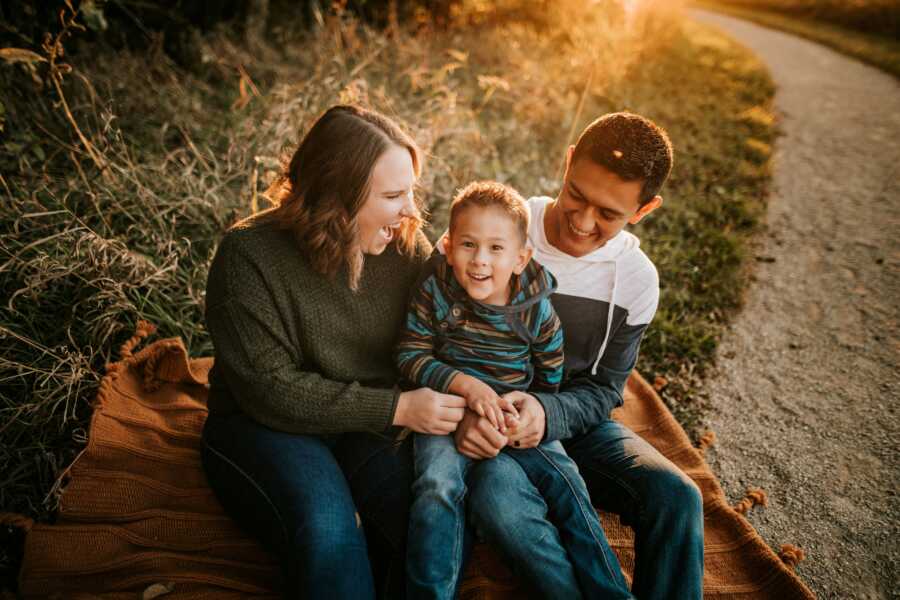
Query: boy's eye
[(497, 248), (468, 245)]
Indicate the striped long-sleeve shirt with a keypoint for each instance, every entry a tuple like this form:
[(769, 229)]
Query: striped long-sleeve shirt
[(513, 347)]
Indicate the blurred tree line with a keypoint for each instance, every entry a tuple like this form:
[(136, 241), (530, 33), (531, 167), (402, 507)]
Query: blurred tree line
[(138, 24), (880, 17)]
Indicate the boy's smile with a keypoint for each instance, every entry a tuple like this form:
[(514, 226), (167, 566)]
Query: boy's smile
[(593, 205), (485, 250)]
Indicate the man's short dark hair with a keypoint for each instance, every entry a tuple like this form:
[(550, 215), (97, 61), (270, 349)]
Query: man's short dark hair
[(631, 146)]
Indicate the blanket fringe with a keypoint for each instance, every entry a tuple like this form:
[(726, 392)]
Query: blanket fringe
[(791, 555), (706, 440), (16, 520), (754, 497), (143, 329)]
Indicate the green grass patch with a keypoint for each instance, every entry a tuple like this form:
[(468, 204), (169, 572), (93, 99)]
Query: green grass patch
[(112, 213), (871, 48)]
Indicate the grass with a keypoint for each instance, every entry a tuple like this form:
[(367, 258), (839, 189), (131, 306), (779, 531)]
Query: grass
[(112, 213), (871, 48)]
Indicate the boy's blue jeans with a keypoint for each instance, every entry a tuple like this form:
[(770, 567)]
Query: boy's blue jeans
[(299, 495), (585, 567), (625, 475)]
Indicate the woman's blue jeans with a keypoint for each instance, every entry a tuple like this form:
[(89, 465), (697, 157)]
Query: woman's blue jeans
[(624, 475), (586, 567), (313, 502)]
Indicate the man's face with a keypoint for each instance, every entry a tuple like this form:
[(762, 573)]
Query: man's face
[(485, 249), (593, 205)]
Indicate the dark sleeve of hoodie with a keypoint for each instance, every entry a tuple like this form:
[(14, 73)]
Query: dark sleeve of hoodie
[(586, 399)]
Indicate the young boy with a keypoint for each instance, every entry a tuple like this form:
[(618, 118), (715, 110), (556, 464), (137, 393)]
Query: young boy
[(480, 325)]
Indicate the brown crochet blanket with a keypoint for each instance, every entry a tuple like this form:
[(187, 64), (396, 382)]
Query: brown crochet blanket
[(138, 520)]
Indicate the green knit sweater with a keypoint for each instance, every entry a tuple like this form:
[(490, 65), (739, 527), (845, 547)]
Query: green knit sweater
[(298, 351)]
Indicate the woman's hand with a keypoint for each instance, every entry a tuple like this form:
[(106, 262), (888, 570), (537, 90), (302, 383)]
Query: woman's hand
[(427, 411)]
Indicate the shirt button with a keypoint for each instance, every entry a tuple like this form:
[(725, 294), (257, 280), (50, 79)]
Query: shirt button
[(443, 325), (456, 311)]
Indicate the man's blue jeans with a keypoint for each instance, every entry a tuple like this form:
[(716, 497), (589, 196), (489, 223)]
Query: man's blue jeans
[(624, 475), (300, 495), (587, 566)]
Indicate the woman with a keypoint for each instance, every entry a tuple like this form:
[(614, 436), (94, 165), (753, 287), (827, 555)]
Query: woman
[(304, 303)]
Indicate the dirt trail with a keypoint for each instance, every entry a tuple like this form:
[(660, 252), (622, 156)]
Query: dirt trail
[(806, 400)]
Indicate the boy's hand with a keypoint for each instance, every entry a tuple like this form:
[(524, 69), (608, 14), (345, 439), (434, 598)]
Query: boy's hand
[(482, 400)]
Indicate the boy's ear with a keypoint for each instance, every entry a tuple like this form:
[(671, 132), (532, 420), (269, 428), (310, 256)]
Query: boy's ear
[(524, 257), (448, 247), (646, 209)]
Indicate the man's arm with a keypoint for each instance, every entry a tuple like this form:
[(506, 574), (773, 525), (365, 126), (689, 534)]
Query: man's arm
[(586, 398)]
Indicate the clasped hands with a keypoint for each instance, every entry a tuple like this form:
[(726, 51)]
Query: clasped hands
[(492, 422)]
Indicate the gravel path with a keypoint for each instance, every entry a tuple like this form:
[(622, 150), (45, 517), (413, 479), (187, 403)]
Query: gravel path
[(806, 399)]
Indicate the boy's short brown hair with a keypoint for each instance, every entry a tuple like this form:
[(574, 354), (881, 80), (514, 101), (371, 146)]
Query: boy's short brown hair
[(491, 194)]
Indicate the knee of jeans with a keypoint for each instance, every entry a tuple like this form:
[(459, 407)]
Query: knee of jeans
[(439, 484), (328, 532), (677, 494)]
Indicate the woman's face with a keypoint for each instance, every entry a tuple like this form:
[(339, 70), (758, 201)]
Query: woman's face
[(390, 200)]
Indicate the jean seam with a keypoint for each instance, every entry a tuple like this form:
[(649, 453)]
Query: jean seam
[(255, 485), (580, 507)]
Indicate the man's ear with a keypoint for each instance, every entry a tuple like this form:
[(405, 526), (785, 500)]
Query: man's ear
[(524, 257), (569, 153), (646, 209)]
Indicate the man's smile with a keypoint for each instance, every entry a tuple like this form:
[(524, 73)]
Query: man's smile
[(578, 232)]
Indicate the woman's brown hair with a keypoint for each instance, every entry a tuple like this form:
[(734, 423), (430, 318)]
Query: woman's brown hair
[(327, 181)]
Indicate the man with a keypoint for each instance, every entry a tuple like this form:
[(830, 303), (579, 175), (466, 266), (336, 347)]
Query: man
[(608, 293)]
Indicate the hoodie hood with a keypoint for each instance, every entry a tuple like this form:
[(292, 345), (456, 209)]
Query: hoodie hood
[(530, 287), (624, 247)]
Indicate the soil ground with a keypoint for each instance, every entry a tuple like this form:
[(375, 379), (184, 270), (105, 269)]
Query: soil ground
[(805, 403)]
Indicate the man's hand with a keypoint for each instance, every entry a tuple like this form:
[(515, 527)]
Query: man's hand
[(528, 430), (482, 399), (477, 438)]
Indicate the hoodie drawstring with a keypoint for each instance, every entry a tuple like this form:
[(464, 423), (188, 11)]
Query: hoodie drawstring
[(609, 317)]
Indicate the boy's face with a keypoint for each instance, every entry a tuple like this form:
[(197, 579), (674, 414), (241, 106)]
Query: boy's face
[(485, 250), (593, 205)]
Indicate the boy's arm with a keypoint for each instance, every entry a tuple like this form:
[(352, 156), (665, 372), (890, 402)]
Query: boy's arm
[(415, 349), (547, 352)]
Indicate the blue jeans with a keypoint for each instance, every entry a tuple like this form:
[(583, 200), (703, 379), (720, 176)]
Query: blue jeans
[(302, 496), (624, 475), (435, 554)]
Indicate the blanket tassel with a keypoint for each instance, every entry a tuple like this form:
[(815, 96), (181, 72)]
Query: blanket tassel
[(791, 555), (754, 497), (706, 440)]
